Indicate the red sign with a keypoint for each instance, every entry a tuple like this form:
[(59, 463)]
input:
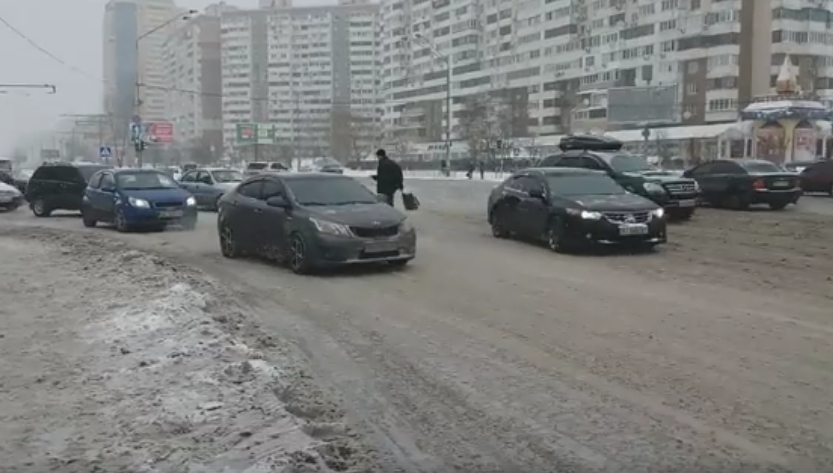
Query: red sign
[(161, 132)]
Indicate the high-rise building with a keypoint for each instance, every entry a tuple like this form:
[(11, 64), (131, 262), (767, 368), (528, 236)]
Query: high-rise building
[(133, 54), (548, 67), (193, 75), (311, 72)]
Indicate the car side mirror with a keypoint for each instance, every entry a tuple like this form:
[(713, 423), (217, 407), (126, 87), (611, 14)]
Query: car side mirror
[(537, 194), (278, 202)]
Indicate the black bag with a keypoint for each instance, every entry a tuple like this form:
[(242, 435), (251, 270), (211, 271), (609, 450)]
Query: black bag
[(410, 201)]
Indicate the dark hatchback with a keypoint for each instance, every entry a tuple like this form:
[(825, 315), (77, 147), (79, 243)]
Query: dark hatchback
[(677, 195), (740, 183), (312, 221), (137, 198), (571, 208), (59, 186)]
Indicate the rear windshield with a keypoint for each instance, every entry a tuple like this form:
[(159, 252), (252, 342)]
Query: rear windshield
[(257, 166), (585, 184), (145, 180), (315, 191), (761, 166)]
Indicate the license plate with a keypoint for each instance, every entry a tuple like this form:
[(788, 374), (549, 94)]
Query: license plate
[(781, 184), (688, 203), (170, 213), (381, 247), (637, 229)]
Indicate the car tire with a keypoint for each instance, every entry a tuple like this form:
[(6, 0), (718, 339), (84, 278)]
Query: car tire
[(87, 220), (121, 223), (216, 207), (555, 236), (298, 257), (498, 222), (736, 202), (228, 244), (682, 216), (40, 209), (778, 206)]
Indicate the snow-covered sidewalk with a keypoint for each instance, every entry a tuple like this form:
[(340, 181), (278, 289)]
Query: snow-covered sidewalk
[(118, 360), (436, 175)]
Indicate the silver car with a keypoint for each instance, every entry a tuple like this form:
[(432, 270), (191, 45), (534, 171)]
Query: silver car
[(207, 185)]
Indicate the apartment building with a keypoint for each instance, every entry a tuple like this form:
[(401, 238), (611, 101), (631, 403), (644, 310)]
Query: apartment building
[(310, 72), (592, 64), (193, 73)]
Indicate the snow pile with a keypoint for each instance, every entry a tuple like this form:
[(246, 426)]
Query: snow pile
[(436, 175)]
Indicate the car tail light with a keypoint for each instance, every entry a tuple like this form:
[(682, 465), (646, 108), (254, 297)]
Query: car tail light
[(759, 184)]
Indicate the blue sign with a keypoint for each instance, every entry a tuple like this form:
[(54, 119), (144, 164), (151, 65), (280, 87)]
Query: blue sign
[(105, 152), (138, 132)]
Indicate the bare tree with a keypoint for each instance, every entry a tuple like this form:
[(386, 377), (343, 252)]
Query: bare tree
[(19, 155), (475, 122), (662, 148)]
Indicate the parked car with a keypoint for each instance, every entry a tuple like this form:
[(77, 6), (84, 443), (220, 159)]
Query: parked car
[(798, 166), (817, 177), (59, 186), (21, 179), (573, 208), (312, 221), (136, 198), (258, 167), (207, 185), (326, 165), (10, 197), (737, 184), (677, 195)]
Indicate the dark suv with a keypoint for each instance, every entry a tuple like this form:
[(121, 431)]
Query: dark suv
[(59, 186), (677, 195)]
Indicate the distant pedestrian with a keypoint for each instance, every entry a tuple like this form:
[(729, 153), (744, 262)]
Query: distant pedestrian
[(482, 166), (388, 177)]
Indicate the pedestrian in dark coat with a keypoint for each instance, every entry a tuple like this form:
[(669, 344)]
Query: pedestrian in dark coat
[(388, 177)]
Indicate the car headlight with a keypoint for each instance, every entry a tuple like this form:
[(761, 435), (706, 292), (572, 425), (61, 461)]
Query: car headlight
[(696, 186), (138, 203), (585, 214), (658, 213), (405, 227), (331, 228), (190, 201), (653, 188)]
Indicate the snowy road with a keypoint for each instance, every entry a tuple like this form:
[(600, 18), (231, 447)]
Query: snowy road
[(489, 355)]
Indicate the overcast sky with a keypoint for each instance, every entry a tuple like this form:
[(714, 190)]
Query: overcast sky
[(72, 31)]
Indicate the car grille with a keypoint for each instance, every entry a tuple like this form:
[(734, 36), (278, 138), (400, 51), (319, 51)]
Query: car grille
[(627, 217), (375, 232), (680, 188), (167, 205)]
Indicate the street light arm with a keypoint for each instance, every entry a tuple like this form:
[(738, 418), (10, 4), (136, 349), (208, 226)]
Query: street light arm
[(171, 20)]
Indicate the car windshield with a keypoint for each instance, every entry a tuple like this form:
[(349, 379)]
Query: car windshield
[(257, 166), (761, 166), (145, 180), (584, 184), (88, 171), (226, 176), (626, 162), (315, 191)]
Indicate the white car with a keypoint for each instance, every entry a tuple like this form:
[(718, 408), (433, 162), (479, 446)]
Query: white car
[(10, 197)]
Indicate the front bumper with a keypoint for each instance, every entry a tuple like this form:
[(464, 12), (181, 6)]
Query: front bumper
[(675, 202), (154, 216), (333, 250), (605, 232), (11, 201)]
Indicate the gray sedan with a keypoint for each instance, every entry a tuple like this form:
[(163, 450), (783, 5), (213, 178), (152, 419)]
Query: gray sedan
[(207, 185)]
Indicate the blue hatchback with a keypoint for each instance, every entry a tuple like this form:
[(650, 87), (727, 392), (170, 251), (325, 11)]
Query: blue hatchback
[(134, 198)]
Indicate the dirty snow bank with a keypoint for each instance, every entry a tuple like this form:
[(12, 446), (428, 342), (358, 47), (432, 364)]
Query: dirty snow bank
[(150, 369)]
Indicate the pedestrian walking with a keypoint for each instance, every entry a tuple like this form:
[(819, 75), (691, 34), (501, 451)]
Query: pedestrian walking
[(388, 177)]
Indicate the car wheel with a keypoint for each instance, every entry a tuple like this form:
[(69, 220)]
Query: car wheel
[(778, 205), (682, 216), (216, 207), (228, 244), (121, 222), (88, 221), (499, 227), (736, 202), (555, 236), (40, 209), (299, 254)]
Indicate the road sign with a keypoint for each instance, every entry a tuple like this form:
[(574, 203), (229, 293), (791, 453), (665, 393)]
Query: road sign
[(256, 133), (50, 154), (105, 152), (137, 132)]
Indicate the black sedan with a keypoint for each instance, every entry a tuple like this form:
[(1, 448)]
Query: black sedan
[(312, 221), (739, 183), (573, 208)]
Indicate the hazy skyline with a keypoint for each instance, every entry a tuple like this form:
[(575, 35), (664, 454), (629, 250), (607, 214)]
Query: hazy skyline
[(72, 31)]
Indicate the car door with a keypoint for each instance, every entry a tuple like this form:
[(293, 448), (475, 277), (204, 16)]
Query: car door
[(703, 174), (187, 181), (724, 177), (72, 186), (272, 237), (818, 177), (243, 217), (90, 194), (203, 186), (533, 207), (523, 210), (105, 197)]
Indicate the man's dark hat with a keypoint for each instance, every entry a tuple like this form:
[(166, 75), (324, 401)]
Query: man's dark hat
[(381, 152)]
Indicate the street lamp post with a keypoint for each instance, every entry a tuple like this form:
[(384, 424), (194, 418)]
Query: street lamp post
[(140, 145), (447, 60)]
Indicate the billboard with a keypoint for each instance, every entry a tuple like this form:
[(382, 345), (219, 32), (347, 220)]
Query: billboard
[(256, 133), (160, 132), (642, 104)]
